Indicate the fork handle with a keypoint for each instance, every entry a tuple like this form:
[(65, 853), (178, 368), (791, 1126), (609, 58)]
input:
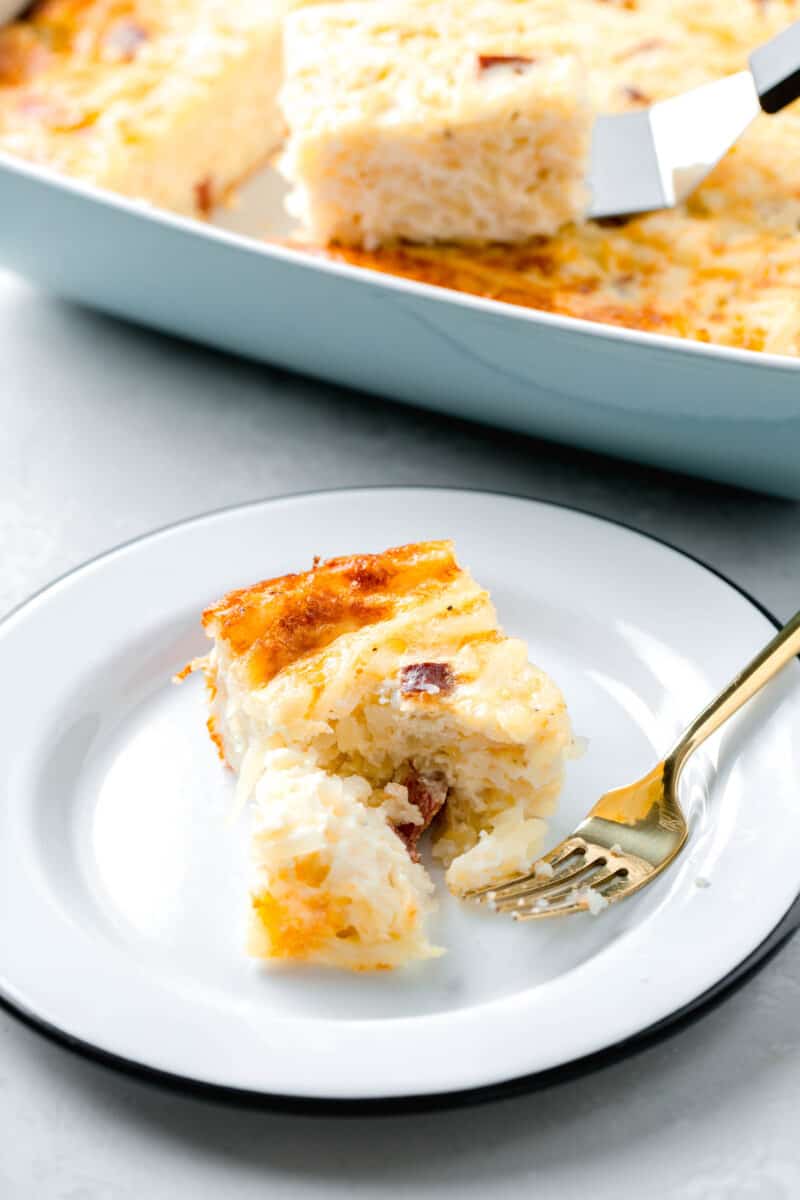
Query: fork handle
[(775, 655), (775, 68)]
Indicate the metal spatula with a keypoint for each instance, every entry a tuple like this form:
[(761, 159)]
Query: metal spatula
[(655, 158)]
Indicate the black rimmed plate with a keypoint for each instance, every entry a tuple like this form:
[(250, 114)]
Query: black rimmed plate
[(122, 883)]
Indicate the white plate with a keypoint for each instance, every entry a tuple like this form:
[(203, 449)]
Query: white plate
[(122, 892)]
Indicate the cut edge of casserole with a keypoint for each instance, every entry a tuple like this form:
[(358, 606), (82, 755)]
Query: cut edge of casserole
[(431, 120)]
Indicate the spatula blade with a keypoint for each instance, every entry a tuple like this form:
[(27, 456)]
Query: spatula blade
[(656, 157)]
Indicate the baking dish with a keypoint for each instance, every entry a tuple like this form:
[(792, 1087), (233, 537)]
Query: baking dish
[(727, 414)]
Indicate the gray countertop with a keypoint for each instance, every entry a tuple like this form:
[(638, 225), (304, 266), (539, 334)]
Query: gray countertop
[(108, 431)]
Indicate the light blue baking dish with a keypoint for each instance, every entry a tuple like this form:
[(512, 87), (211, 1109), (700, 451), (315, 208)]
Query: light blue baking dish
[(731, 415)]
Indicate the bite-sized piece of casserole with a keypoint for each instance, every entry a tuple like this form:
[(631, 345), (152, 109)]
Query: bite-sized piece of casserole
[(361, 702), (169, 101), (433, 120)]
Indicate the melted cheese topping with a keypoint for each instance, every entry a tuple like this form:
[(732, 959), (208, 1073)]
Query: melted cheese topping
[(273, 623)]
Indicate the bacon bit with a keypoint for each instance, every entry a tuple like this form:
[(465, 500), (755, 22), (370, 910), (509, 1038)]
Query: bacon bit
[(316, 560), (636, 94), (612, 222), (124, 40), (517, 61), (427, 678), (204, 196), (653, 43), (427, 793)]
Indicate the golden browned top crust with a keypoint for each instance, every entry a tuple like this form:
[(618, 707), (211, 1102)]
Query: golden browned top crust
[(672, 273), (277, 621), (531, 276)]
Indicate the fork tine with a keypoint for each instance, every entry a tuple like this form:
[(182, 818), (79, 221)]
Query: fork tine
[(554, 910), (534, 886), (548, 889), (528, 910), (630, 836), (555, 858)]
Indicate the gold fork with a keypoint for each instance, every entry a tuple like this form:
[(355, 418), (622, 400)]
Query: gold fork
[(633, 833)]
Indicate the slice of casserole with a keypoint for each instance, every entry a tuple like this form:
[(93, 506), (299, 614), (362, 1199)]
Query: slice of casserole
[(169, 101), (361, 702), (433, 120)]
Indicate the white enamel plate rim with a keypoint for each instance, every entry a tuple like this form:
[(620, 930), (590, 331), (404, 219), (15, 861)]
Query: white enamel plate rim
[(93, 993)]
